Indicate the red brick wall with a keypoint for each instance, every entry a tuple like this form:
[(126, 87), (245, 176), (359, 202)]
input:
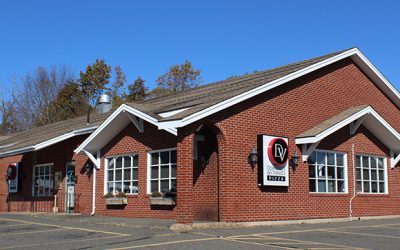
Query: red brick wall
[(130, 141), (58, 154), (288, 111)]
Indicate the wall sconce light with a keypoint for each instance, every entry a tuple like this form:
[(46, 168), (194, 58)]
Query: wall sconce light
[(88, 168), (294, 162), (252, 158)]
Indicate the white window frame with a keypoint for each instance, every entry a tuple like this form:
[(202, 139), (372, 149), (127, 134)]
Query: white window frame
[(159, 174), (51, 179), (346, 179), (114, 157), (385, 173)]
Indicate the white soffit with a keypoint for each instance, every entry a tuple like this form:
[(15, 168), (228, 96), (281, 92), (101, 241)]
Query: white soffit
[(354, 53)]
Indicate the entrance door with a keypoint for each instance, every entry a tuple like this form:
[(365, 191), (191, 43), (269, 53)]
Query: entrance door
[(70, 188)]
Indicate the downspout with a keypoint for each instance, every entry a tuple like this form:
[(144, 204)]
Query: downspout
[(354, 183), (94, 183)]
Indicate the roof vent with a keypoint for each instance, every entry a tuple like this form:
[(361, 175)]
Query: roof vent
[(104, 105)]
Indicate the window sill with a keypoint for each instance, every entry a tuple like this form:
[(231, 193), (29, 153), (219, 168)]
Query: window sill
[(329, 194), (373, 194)]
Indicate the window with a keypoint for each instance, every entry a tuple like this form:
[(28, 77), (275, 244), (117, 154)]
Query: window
[(43, 180), (122, 174), (371, 174), (162, 171), (327, 172)]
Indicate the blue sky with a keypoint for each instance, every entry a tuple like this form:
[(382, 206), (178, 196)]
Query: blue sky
[(222, 38)]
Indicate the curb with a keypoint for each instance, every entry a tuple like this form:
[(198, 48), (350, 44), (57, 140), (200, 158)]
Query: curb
[(181, 228)]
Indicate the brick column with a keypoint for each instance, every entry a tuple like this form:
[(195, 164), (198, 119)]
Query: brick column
[(184, 176)]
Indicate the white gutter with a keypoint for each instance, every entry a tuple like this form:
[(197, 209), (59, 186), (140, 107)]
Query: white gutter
[(354, 183), (94, 186)]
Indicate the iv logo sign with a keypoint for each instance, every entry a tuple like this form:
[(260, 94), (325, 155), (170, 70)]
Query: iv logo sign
[(273, 161), (278, 152)]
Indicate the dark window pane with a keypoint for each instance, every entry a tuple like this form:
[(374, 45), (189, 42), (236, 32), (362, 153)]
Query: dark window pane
[(154, 159), (365, 162), (135, 160), (381, 187), (374, 187), (358, 173), (330, 158), (110, 163), (127, 187), (331, 186), (381, 175), (154, 172), (127, 162), (380, 163), (340, 186), (311, 171), (331, 173), (340, 173), (164, 186), (373, 175), (154, 186), (173, 185), (173, 156), (321, 171), (173, 171), (135, 174), (118, 162), (312, 186), (164, 157), (311, 159), (321, 158), (110, 187), (339, 159), (321, 186), (118, 187), (359, 186), (127, 174), (118, 175), (358, 161), (366, 186), (366, 174), (165, 171), (135, 187), (373, 163), (110, 175)]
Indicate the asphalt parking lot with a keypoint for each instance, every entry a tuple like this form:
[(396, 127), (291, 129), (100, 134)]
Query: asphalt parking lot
[(19, 231)]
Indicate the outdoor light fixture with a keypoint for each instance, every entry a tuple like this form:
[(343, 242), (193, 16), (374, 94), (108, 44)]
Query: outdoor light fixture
[(88, 168), (294, 162), (252, 158)]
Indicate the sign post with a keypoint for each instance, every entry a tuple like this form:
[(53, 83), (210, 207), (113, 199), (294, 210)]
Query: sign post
[(273, 161)]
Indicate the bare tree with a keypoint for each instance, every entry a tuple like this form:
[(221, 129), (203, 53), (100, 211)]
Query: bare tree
[(9, 122), (39, 89)]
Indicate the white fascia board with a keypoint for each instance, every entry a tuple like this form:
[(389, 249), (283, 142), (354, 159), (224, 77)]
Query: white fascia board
[(172, 112), (278, 82), (122, 108), (347, 121), (48, 142), (17, 151), (64, 137)]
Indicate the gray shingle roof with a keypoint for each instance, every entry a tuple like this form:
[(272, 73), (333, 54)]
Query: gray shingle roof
[(208, 95), (195, 100), (40, 134), (319, 128)]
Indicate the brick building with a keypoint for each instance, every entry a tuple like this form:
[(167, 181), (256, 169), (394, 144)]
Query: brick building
[(313, 139)]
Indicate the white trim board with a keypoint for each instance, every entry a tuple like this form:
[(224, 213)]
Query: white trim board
[(354, 53)]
